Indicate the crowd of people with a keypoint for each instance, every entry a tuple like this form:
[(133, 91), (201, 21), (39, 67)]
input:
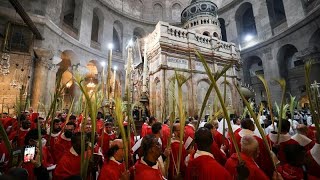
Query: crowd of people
[(157, 152)]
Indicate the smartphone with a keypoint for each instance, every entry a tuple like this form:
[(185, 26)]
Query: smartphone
[(29, 153)]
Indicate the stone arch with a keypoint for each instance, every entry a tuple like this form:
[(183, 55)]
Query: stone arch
[(186, 93), (157, 12), (286, 59), (117, 36), (176, 12), (245, 21), (223, 29), (71, 13), (97, 25), (276, 12), (229, 90), (138, 32), (137, 9), (69, 58), (253, 66), (201, 90), (315, 40)]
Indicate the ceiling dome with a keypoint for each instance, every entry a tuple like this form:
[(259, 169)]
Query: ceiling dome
[(198, 8)]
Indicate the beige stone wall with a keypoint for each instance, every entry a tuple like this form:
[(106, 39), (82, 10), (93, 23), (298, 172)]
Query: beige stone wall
[(8, 94)]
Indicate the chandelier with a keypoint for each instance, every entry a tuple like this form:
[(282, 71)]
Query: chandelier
[(5, 64)]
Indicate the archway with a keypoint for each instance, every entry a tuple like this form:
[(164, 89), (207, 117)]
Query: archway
[(245, 20)]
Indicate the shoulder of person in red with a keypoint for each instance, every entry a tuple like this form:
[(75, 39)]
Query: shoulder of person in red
[(205, 167), (69, 165), (141, 171), (111, 170)]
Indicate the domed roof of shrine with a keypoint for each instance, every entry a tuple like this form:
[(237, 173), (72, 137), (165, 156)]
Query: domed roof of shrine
[(198, 8)]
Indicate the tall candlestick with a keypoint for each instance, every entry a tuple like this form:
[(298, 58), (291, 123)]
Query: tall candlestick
[(109, 73), (114, 82), (145, 66)]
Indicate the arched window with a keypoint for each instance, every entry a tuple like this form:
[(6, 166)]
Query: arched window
[(117, 36), (95, 27), (176, 12), (68, 12), (276, 12), (286, 59), (215, 34), (206, 33), (137, 10), (223, 29), (158, 12), (245, 21)]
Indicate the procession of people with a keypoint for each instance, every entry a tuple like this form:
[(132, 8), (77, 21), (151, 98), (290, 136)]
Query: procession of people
[(206, 151)]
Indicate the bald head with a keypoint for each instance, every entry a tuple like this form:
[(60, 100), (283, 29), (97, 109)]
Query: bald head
[(176, 130), (117, 142), (249, 146)]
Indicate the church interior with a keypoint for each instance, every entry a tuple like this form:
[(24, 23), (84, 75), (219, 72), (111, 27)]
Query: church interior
[(160, 58)]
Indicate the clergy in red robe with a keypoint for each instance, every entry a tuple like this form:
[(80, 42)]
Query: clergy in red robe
[(6, 121), (284, 140), (55, 134), (249, 152), (148, 165), (99, 123), (217, 152), (21, 133), (4, 156), (70, 162), (165, 134), (175, 144), (64, 142), (144, 129), (107, 136), (202, 165), (312, 132), (313, 161), (114, 167), (190, 129), (301, 137), (263, 160), (295, 158)]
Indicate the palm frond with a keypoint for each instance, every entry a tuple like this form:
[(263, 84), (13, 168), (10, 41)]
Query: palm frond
[(282, 84), (267, 89), (225, 112)]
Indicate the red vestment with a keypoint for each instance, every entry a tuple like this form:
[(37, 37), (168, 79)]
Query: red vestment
[(165, 135), (174, 159), (263, 161), (106, 140), (142, 171), (53, 140), (69, 165), (22, 134), (218, 138), (189, 131), (100, 125), (6, 122), (4, 156), (204, 167), (255, 171), (218, 154), (313, 161), (30, 168), (47, 159), (111, 170), (144, 130), (32, 118), (284, 140), (62, 145)]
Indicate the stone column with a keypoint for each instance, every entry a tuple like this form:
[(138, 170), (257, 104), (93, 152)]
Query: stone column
[(260, 11), (86, 23), (53, 10), (294, 11), (40, 83)]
